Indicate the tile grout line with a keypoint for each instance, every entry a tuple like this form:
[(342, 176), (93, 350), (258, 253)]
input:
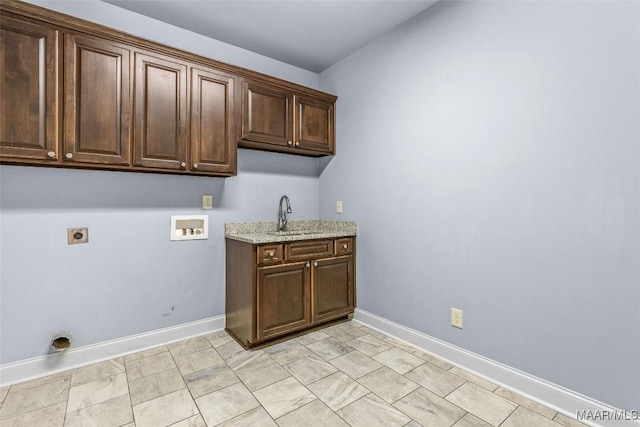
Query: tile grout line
[(66, 404), (126, 375)]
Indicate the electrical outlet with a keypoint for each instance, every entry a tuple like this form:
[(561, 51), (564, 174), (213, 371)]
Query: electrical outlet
[(77, 235), (339, 206), (456, 317), (207, 201)]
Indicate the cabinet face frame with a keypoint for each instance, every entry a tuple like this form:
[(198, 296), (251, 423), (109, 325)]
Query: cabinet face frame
[(46, 145), (81, 104), (147, 112)]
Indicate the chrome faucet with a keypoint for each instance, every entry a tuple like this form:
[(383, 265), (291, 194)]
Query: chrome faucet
[(282, 214)]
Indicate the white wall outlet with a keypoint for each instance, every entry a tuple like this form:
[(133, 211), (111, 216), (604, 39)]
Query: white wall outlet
[(207, 201), (456, 317), (77, 235), (339, 206)]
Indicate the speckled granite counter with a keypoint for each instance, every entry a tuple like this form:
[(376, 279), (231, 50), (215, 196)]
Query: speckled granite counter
[(265, 232)]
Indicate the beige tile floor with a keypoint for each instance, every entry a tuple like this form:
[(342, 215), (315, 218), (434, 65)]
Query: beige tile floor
[(346, 374)]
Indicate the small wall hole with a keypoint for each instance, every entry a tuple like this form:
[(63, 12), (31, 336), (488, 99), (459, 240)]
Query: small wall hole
[(61, 343)]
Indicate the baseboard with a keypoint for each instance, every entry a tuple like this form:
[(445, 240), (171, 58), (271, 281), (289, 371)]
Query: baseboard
[(36, 367), (551, 395)]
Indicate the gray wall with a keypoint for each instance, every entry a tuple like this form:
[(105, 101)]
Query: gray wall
[(490, 154), (130, 278), (488, 150)]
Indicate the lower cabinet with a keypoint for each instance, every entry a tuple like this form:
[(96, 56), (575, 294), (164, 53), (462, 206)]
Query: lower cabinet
[(333, 288), (277, 288), (283, 295)]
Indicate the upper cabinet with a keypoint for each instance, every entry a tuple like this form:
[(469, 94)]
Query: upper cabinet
[(29, 86), (160, 112), (284, 120), (267, 115), (314, 128), (79, 95), (97, 104), (213, 138)]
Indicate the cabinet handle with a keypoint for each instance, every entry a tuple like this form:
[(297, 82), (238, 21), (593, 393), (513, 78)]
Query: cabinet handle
[(51, 154), (344, 246), (297, 143), (315, 264), (183, 165), (307, 265), (195, 166), (271, 253), (69, 156), (288, 142)]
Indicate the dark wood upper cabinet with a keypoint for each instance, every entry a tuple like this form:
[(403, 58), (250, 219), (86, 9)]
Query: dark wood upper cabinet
[(29, 99), (213, 144), (314, 124), (160, 135), (280, 119), (97, 101), (267, 114), (76, 94)]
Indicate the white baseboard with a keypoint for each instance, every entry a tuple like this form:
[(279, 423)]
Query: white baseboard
[(548, 394), (36, 367)]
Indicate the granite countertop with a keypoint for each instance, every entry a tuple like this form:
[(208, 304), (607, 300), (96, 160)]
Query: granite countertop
[(266, 232)]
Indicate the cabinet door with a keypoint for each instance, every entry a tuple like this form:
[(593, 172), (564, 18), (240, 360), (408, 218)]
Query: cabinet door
[(28, 103), (333, 290), (314, 125), (160, 135), (282, 299), (266, 114), (212, 124), (96, 101)]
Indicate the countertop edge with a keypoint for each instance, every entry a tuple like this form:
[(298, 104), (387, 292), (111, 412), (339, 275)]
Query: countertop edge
[(259, 238)]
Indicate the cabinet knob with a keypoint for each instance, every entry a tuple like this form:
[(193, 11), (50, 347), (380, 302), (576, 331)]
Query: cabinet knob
[(344, 246), (297, 143), (288, 142), (271, 253), (183, 165), (51, 154), (315, 264), (69, 155), (307, 265), (195, 166)]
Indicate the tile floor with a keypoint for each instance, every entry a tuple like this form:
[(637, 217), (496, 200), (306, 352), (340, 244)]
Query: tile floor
[(346, 374)]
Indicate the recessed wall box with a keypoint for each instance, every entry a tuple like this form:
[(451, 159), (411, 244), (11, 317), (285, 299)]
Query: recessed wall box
[(189, 227)]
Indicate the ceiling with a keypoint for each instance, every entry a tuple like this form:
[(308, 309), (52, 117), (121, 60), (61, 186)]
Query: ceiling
[(309, 34)]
